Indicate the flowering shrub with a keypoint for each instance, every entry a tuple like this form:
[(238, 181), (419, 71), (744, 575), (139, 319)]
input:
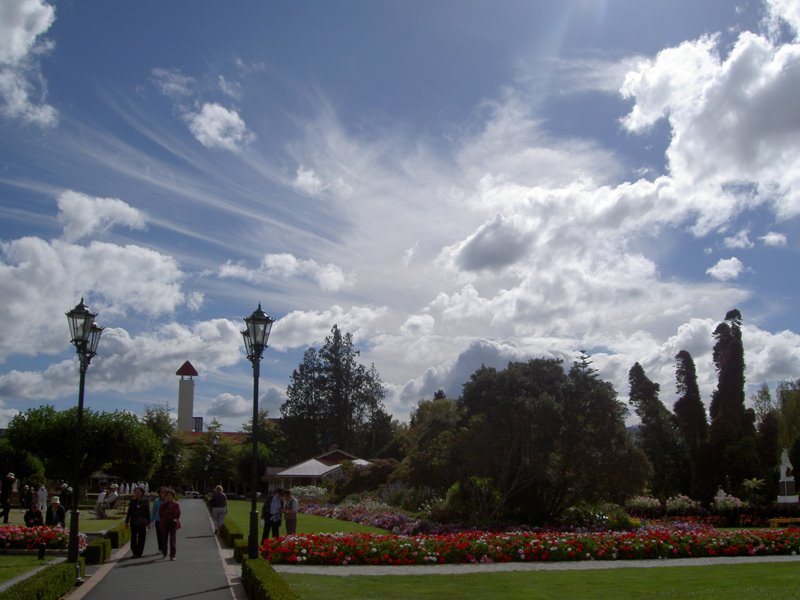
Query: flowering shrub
[(16, 537), (310, 493), (643, 505), (482, 547), (726, 503), (681, 505), (369, 512)]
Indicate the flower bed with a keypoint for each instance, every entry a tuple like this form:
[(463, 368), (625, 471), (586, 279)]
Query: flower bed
[(370, 513), (16, 537), (482, 547)]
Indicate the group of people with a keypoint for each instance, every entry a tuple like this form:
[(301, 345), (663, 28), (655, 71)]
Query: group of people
[(164, 515), (281, 506), (55, 515)]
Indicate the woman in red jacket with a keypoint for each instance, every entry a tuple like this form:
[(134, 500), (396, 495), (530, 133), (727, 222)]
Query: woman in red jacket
[(169, 515)]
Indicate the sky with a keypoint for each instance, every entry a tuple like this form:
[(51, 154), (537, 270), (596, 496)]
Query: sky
[(454, 182)]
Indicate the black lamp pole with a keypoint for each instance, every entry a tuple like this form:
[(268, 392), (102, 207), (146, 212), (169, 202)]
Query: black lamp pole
[(85, 334), (259, 325)]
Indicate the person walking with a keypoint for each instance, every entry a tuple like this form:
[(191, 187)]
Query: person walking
[(6, 489), (138, 519), (155, 518), (290, 508), (55, 515), (169, 517), (219, 507)]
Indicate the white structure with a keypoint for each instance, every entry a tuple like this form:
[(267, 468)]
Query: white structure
[(786, 486), (187, 374)]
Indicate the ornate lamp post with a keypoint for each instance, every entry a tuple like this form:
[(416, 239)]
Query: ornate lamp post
[(85, 335), (259, 325)]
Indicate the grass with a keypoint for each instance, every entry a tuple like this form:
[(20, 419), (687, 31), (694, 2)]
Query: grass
[(239, 511), (87, 522), (762, 581), (13, 565)]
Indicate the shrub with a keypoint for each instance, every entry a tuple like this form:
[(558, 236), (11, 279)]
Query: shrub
[(353, 478), (644, 506), (118, 535), (261, 582), (230, 532), (682, 505), (310, 493), (52, 582), (98, 551), (726, 503), (476, 499), (239, 549)]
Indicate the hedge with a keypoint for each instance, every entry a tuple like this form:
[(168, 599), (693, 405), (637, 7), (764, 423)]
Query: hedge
[(98, 551), (119, 535), (49, 583), (261, 582), (230, 532)]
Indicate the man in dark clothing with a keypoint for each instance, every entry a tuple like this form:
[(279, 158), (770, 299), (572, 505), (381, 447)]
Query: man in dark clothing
[(5, 496)]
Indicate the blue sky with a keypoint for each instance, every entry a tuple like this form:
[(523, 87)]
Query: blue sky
[(455, 183)]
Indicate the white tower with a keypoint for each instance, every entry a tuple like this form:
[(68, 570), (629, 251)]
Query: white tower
[(186, 396)]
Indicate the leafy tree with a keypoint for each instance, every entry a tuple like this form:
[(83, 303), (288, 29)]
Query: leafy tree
[(432, 428), (690, 415), (536, 440), (158, 419), (27, 468), (211, 459), (271, 449), (789, 412), (334, 399), (118, 442), (762, 403), (658, 433)]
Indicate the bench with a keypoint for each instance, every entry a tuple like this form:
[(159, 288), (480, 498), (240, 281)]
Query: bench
[(780, 521)]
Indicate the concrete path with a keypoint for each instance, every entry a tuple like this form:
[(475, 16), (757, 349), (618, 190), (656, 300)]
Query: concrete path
[(201, 570), (583, 565)]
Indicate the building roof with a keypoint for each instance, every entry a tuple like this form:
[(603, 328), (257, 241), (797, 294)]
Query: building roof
[(310, 468), (186, 370)]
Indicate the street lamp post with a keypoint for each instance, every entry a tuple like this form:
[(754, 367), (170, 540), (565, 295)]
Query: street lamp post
[(85, 335), (259, 325)]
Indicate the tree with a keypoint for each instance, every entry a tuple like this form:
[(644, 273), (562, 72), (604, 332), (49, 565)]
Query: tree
[(789, 412), (211, 459), (271, 448), (334, 399), (658, 434), (690, 415), (762, 403), (158, 419), (118, 442), (732, 442)]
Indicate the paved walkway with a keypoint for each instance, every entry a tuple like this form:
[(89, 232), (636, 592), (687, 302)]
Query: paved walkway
[(201, 570)]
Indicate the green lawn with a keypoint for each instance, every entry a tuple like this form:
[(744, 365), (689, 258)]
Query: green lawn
[(723, 582), (16, 564), (239, 511), (87, 522)]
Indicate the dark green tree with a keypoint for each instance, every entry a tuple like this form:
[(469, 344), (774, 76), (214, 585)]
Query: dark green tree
[(158, 419), (210, 460), (690, 415), (732, 441), (332, 399), (658, 434)]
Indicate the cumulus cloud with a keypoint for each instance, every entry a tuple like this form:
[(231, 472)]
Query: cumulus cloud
[(300, 329), (83, 215), (495, 245), (726, 269), (215, 126), (774, 239), (22, 87), (328, 277), (229, 405)]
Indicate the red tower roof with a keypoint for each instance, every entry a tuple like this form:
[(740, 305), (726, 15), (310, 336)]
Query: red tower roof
[(186, 370)]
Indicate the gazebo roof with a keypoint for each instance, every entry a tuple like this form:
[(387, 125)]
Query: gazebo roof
[(310, 468)]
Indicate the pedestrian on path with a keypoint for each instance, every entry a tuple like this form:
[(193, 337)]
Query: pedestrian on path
[(169, 514), (155, 518), (138, 518), (219, 507)]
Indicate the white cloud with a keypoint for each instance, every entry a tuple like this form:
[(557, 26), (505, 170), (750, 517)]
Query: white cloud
[(230, 88), (173, 84), (726, 269), (307, 181), (230, 405), (286, 266), (774, 239), (22, 86), (787, 11), (300, 329), (83, 215), (740, 240), (218, 127)]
